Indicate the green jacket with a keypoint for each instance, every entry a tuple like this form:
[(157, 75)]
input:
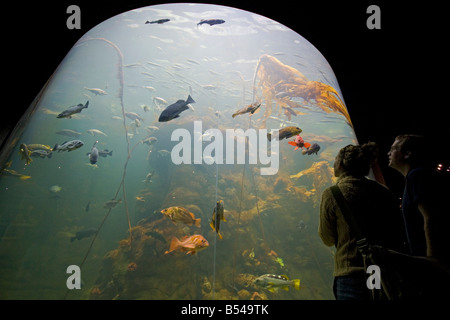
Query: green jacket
[(377, 212)]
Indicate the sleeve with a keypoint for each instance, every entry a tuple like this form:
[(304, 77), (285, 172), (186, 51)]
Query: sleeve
[(327, 219)]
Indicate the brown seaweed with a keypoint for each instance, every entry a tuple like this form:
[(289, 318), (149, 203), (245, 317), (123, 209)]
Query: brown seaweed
[(280, 83)]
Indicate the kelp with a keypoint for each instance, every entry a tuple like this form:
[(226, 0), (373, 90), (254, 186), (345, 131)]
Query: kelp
[(281, 83)]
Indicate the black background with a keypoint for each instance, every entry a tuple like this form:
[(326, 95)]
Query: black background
[(393, 79)]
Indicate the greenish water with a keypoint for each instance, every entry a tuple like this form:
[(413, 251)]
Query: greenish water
[(272, 220)]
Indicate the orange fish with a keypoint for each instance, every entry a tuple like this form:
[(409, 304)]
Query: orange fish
[(299, 143), (180, 214), (190, 245)]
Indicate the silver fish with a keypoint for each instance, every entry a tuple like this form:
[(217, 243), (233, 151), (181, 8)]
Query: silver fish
[(93, 155), (96, 131), (69, 133), (148, 177), (96, 91), (133, 116)]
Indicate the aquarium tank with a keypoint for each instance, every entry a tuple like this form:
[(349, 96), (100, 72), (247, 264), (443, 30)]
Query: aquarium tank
[(178, 152)]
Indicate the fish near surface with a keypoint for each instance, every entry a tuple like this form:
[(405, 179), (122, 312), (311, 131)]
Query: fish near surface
[(173, 111), (160, 21), (211, 22), (273, 282), (286, 133), (190, 245), (180, 214), (72, 110), (217, 217)]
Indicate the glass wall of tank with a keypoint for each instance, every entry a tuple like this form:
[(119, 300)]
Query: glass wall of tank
[(89, 171)]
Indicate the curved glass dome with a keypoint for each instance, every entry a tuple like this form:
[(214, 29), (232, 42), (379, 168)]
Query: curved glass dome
[(156, 117)]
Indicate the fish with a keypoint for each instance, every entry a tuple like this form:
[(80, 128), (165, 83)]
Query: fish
[(156, 235), (286, 132), (159, 101), (93, 155), (40, 150), (69, 133), (281, 95), (84, 234), (68, 145), (96, 131), (72, 110), (148, 177), (25, 153), (173, 111), (211, 22), (273, 282), (180, 214), (209, 87), (111, 203), (160, 21), (217, 217), (133, 116), (163, 153), (55, 189), (312, 149), (302, 225), (149, 141), (41, 153), (149, 88), (189, 244), (299, 143), (37, 146), (14, 173), (288, 111), (86, 208), (251, 108), (104, 153), (96, 91)]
